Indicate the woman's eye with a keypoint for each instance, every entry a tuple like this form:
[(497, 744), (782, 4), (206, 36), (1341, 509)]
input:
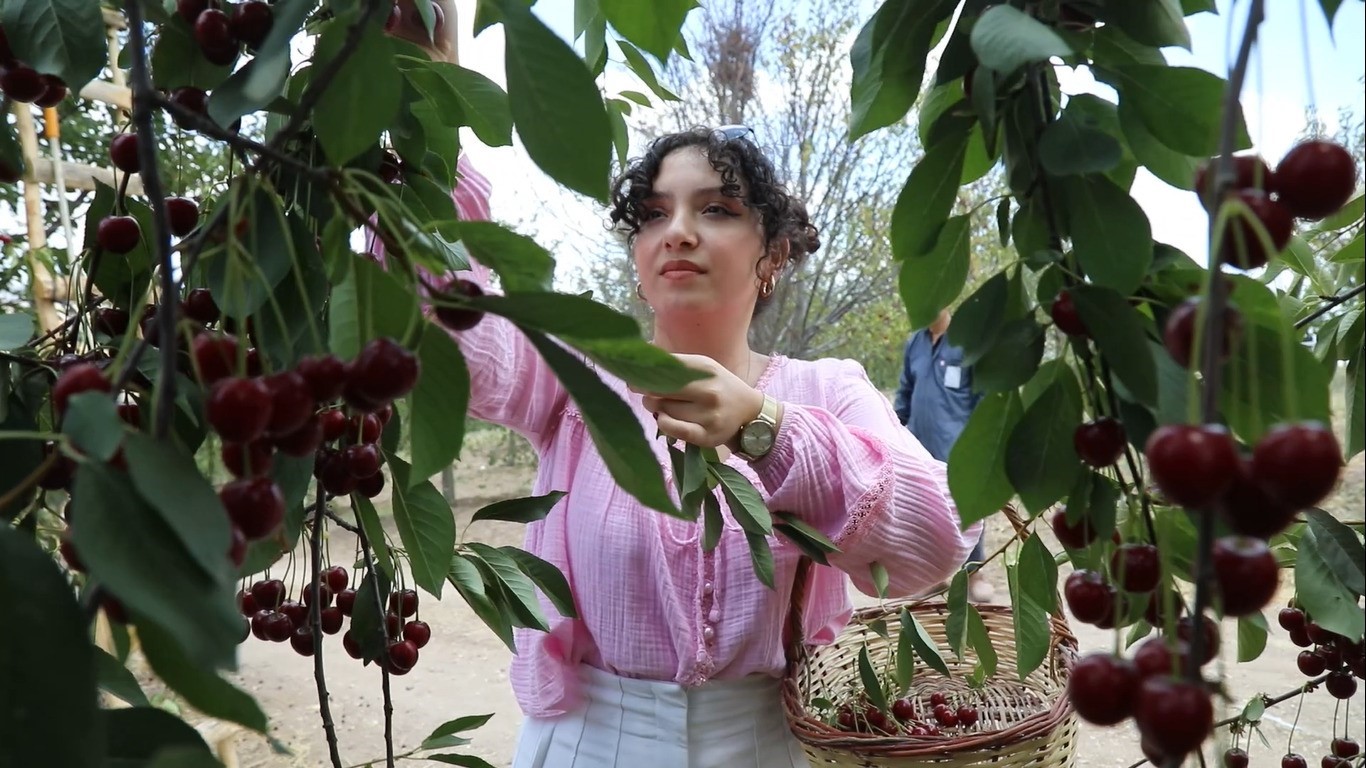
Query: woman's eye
[(653, 214), (717, 208)]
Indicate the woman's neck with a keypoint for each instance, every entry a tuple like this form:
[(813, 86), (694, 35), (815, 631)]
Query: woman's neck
[(727, 345)]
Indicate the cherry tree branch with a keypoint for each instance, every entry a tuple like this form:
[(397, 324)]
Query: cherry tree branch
[(315, 621), (371, 566), (1328, 303)]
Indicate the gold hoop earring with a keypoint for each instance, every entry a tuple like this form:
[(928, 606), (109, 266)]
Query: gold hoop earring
[(766, 287), (640, 294)]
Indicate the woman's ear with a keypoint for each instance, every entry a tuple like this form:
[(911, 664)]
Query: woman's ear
[(773, 262)]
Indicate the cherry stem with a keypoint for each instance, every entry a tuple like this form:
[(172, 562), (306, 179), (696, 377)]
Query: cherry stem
[(207, 127), (1328, 303), (384, 631), (341, 523), (144, 104), (315, 620), (29, 480)]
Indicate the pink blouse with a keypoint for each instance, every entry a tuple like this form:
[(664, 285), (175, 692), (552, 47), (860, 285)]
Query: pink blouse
[(652, 602)]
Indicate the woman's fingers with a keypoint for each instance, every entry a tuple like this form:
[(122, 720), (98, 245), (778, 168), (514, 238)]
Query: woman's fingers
[(686, 431)]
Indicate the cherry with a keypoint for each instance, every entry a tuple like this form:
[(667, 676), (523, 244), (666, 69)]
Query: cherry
[(1241, 245), (1332, 655), (191, 99), (258, 624), (334, 424), (333, 476), (82, 377), (1249, 172), (1064, 314), (331, 619), (1346, 746), (324, 595), (239, 409), (123, 152), (296, 611), (277, 627), (1293, 760), (384, 415), (1079, 536), (189, 10), (346, 601), (420, 633), (251, 22), (111, 321), (60, 474), (215, 356), (1300, 637), (459, 318), (1341, 684), (1154, 657), (945, 716), (384, 371), (1209, 640), (393, 624), (251, 459), (302, 641), (1099, 443), (213, 32), (1248, 509), (246, 604), (54, 91), (361, 460), (1315, 179), (367, 426), (402, 656), (1178, 335), (1298, 464), (1333, 761), (1175, 714), (1136, 566), (21, 83), (302, 441), (255, 505), (902, 709), (403, 602), (1192, 464), (1311, 664), (370, 487), (1101, 688), (325, 374), (182, 216), (1088, 596), (845, 717), (1235, 758), (291, 403), (269, 594), (1246, 572), (69, 554), (336, 578), (938, 699), (967, 716), (118, 234), (351, 645), (1318, 634)]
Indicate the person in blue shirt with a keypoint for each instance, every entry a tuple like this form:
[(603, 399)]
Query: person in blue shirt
[(934, 400)]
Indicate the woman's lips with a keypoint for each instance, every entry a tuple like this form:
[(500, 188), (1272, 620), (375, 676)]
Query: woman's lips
[(679, 270)]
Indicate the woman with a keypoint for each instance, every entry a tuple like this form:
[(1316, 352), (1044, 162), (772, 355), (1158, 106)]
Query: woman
[(676, 657)]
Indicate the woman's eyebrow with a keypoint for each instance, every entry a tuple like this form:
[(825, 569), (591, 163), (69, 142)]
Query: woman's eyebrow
[(704, 192)]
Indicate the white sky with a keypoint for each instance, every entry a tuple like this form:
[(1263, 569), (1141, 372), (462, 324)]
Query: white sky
[(1275, 98)]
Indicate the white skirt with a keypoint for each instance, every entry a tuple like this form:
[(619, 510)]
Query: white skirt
[(627, 723)]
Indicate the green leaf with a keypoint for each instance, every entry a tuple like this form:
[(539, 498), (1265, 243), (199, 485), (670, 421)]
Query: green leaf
[(1355, 383), (1322, 592), (202, 687), (712, 521), (1165, 163), (561, 314), (382, 307), (438, 405), (613, 426), (521, 264), (464, 576), (931, 282), (93, 424), (979, 319), (760, 557), (1255, 708), (363, 97), (57, 37), (177, 60), (924, 203), (468, 761), (655, 26), (1072, 144), (977, 461), (1099, 114), (115, 679), (905, 652), (1159, 23), (1031, 621), (15, 329), (1252, 632), (1111, 236), (956, 623), (120, 534), (1005, 39), (368, 517), (1040, 460), (523, 510), (745, 503), (484, 105), (1339, 546), (888, 59), (925, 647), (243, 278), (812, 542), (426, 526), (367, 617), (1012, 360), (555, 104), (871, 684), (980, 640), (519, 590), (47, 672), (1181, 106), (644, 71), (136, 735), (458, 725), (171, 482), (250, 89), (1118, 331), (880, 578), (638, 363), (1256, 394), (547, 577)]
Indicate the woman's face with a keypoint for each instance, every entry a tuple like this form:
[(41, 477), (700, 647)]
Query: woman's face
[(697, 248)]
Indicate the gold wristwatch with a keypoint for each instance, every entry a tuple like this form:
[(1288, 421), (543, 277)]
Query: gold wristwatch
[(756, 438)]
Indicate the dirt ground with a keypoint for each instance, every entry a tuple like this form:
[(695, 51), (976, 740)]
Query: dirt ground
[(464, 672)]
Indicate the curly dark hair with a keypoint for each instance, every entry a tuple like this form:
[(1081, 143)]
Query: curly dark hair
[(746, 173)]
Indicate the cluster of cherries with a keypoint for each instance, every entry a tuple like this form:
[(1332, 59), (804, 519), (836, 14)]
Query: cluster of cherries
[(274, 617), (120, 234), (904, 717), (221, 34), (23, 83)]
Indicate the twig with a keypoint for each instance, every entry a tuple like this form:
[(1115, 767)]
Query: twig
[(315, 620), (207, 127), (144, 103), (1328, 303), (342, 523), (384, 631), (29, 480)]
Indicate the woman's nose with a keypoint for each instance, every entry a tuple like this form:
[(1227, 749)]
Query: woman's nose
[(680, 232)]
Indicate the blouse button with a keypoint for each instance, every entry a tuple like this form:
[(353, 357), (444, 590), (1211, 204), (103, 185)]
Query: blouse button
[(708, 633), (707, 587), (714, 616)]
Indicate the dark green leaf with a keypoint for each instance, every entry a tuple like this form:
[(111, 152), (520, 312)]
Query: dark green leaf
[(746, 505), (177, 60), (555, 104), (931, 282), (1005, 39), (613, 426), (644, 71), (362, 98), (812, 542), (374, 532), (458, 725), (171, 482), (426, 526), (1322, 592), (878, 571), (202, 687), (11, 156), (1165, 163), (977, 461), (523, 510), (468, 761), (888, 60), (93, 424), (980, 640), (58, 37), (464, 576), (47, 672), (1255, 395), (871, 683), (547, 577), (1355, 384), (367, 617), (638, 363), (979, 319), (1181, 106), (242, 278), (1252, 632), (561, 314), (1012, 360), (1111, 236), (1031, 623), (519, 589), (713, 523), (483, 103), (521, 264), (956, 623), (761, 557), (1158, 23), (438, 405), (654, 27), (1071, 145), (1040, 460), (115, 679), (905, 653), (15, 329), (137, 734), (1102, 115), (1118, 331), (925, 647), (925, 202), (1340, 547)]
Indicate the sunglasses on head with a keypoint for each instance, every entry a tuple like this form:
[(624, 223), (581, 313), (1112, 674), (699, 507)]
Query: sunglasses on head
[(733, 132)]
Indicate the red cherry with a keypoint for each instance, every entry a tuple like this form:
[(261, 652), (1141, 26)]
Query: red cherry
[(251, 459), (331, 619), (1210, 636), (459, 318), (54, 91), (1079, 536), (1088, 596), (334, 424), (939, 699), (183, 216), (351, 645), (1346, 746), (1235, 758), (967, 716), (255, 505), (418, 632), (213, 32), (1136, 566), (336, 578), (302, 641), (325, 374), (191, 99), (1300, 637), (82, 377), (1333, 761), (361, 460), (268, 594), (1311, 664), (1291, 619), (123, 152), (902, 709), (1246, 573), (367, 426), (1341, 684), (384, 371), (403, 602), (346, 601), (291, 403), (118, 234), (1241, 246), (370, 486), (251, 22), (402, 655), (21, 83), (111, 321), (1178, 335), (1099, 443), (1293, 760), (1318, 634), (1192, 464), (324, 595), (1154, 657), (1297, 464), (1101, 688), (239, 409), (1315, 179), (60, 474), (277, 627), (189, 10), (1248, 509), (302, 441), (296, 611), (1064, 314), (246, 604), (200, 307), (333, 475), (215, 356), (390, 169), (1175, 715), (258, 623), (1249, 172)]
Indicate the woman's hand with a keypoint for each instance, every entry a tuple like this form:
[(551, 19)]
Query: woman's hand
[(708, 412)]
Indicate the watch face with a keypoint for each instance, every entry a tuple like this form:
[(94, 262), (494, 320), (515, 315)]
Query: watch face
[(757, 438)]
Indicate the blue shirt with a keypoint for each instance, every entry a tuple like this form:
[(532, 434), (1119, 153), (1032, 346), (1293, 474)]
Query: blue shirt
[(935, 396)]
